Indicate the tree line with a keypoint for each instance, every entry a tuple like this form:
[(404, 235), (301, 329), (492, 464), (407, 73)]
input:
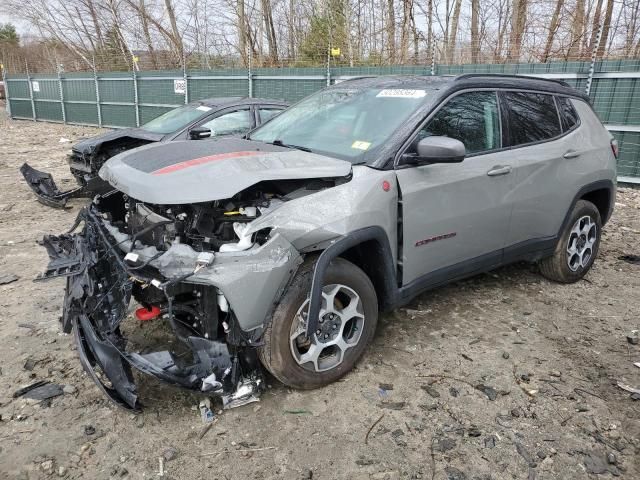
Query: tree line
[(160, 34)]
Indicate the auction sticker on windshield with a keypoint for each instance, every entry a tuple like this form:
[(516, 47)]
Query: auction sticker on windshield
[(401, 93), (360, 145)]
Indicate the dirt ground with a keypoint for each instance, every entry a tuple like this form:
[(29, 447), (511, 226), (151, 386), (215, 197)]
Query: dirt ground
[(503, 376)]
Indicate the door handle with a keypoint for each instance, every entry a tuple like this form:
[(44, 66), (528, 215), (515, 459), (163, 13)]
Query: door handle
[(499, 170), (571, 154)]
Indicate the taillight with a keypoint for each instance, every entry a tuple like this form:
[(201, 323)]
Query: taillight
[(614, 147)]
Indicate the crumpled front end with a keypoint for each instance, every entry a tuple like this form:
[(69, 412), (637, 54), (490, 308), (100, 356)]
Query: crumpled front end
[(213, 303)]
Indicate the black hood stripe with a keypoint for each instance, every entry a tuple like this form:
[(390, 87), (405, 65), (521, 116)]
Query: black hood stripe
[(158, 157)]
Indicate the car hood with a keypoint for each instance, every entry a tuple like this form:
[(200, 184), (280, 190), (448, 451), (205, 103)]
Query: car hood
[(202, 171), (89, 145)]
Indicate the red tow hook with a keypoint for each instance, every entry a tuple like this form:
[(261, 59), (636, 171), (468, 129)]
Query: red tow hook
[(145, 314)]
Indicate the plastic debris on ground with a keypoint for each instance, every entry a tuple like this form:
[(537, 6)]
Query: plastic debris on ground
[(206, 413)]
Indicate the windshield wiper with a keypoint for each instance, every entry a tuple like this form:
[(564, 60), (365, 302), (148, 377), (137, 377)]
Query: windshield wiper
[(280, 143)]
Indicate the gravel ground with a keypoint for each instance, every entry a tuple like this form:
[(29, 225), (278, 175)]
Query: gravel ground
[(505, 375)]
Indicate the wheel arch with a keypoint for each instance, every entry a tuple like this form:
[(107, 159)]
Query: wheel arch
[(369, 249), (603, 199), (602, 191)]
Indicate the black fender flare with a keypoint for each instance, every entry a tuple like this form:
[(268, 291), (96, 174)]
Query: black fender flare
[(340, 246), (588, 188)]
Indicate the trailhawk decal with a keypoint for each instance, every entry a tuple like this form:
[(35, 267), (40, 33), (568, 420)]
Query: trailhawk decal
[(203, 160), (435, 239)]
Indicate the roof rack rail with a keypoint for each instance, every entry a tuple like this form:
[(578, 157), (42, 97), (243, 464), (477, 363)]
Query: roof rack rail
[(355, 77), (506, 75)]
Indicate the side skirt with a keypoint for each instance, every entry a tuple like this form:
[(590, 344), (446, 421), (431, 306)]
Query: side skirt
[(531, 251)]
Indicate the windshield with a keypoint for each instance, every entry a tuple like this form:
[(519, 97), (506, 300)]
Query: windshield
[(176, 119), (343, 122)]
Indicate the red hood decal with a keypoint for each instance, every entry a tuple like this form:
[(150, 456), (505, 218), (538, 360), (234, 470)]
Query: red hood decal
[(202, 160)]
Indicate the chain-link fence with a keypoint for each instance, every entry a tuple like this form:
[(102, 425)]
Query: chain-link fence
[(132, 98)]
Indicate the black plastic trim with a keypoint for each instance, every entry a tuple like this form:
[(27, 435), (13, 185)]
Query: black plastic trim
[(449, 274), (507, 76), (340, 246), (591, 187)]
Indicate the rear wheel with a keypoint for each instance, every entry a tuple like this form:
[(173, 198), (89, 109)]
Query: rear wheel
[(577, 248), (346, 324)]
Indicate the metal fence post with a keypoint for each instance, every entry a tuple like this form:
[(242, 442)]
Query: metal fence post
[(33, 103), (328, 65), (97, 86), (592, 66), (61, 93), (6, 89), (249, 74), (135, 97), (185, 77)]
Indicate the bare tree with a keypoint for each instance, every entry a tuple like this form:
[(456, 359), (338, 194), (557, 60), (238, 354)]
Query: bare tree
[(453, 34), (606, 26), (391, 31), (175, 33), (577, 30), (267, 15), (144, 21), (407, 8), (553, 29), (475, 38), (518, 24)]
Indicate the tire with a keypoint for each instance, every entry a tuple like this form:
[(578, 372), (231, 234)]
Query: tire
[(277, 352), (557, 267)]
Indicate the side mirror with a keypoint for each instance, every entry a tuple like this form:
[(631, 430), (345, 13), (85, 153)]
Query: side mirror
[(199, 133), (437, 150)]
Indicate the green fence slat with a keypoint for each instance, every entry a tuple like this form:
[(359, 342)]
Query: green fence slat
[(629, 158), (159, 92), (615, 100), (18, 89), (48, 111), (118, 115), (82, 113), (116, 90), (201, 88), (47, 89), (21, 108), (79, 90)]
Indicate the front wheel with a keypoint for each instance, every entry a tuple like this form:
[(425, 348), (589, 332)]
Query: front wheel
[(578, 246), (347, 323)]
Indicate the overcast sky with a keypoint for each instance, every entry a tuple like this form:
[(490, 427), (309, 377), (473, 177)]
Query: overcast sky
[(21, 26)]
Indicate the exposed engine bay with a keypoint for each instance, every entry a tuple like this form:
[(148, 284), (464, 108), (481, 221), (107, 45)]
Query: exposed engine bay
[(217, 226), (190, 267)]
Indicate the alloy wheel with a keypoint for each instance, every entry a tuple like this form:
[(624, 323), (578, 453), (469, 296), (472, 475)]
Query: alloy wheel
[(339, 328)]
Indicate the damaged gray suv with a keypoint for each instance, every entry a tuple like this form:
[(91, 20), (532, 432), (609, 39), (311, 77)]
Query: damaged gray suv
[(279, 250)]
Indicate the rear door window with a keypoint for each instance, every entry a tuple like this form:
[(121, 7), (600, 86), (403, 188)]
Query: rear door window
[(533, 117), (266, 112), (230, 123), (568, 114)]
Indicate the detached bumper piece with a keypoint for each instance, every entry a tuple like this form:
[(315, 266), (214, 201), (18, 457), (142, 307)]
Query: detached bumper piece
[(98, 293), (46, 190)]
